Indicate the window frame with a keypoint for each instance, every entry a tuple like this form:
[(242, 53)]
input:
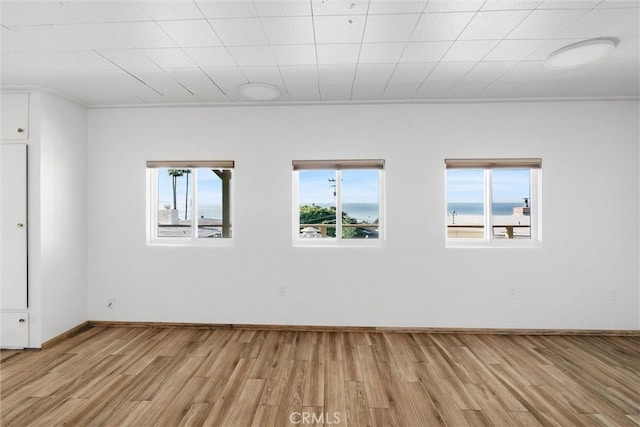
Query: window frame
[(152, 203), (535, 202), (338, 166)]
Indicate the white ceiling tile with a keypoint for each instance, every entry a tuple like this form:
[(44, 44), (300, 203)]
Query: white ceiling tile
[(339, 7), (469, 50), (168, 86), (338, 53), (55, 61), (43, 13), (381, 53), (367, 91), (270, 75), (142, 34), (568, 4), (191, 33), (199, 83), (85, 60), (547, 47), (116, 11), (288, 30), (338, 29), (631, 28), (97, 36), (294, 54), (493, 25), (239, 31), (412, 74), (441, 26), (424, 51), (513, 50), (228, 79), (253, 56), (510, 4), (627, 47), (282, 8), (171, 10), (389, 28), (129, 59), (300, 75), (598, 22), (381, 7), (619, 4), (544, 24), (81, 85), (226, 8), (487, 72), (16, 63), (47, 38), (330, 73), (453, 5), (445, 72), (169, 58), (481, 48), (210, 56), (374, 73), (400, 91), (530, 71), (443, 77), (335, 90), (303, 92)]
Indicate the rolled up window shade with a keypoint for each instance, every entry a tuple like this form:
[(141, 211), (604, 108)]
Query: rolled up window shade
[(337, 164), (527, 163), (182, 164)]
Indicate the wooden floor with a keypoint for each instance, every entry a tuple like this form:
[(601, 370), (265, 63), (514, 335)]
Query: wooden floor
[(171, 377)]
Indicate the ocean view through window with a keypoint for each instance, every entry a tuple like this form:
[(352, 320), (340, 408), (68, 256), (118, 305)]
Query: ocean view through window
[(492, 200), (189, 201), (337, 201)]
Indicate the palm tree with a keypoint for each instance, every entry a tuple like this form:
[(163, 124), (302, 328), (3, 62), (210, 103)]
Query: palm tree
[(186, 194), (175, 174)]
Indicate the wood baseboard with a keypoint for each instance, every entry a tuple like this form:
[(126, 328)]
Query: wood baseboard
[(373, 329), (67, 334)]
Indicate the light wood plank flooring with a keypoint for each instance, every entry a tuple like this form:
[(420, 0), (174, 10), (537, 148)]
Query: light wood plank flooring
[(232, 377)]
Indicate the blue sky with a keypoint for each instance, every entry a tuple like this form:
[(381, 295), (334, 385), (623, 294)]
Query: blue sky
[(467, 185), (209, 188), (358, 186)]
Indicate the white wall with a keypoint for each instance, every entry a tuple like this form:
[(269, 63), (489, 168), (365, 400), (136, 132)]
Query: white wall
[(590, 218), (62, 275)]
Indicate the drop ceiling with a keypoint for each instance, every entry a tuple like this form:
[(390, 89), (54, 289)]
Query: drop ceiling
[(202, 51)]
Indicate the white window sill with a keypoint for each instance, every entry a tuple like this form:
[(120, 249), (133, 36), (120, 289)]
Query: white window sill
[(493, 244), (335, 243), (186, 242)]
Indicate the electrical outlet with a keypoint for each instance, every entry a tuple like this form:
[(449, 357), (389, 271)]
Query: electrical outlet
[(282, 290), (111, 304), (613, 294), (511, 292)]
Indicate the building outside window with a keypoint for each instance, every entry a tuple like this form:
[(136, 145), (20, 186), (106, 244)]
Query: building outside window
[(189, 202)]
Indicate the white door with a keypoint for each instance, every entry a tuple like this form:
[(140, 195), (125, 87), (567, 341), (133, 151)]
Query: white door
[(13, 226)]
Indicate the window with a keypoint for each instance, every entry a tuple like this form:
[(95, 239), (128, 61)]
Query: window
[(338, 202), (493, 201), (189, 202)]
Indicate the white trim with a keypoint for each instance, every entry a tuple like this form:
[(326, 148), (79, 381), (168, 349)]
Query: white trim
[(337, 241), (488, 240), (152, 238), (633, 98)]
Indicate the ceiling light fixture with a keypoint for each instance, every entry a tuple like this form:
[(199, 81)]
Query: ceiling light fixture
[(581, 53), (259, 92)]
